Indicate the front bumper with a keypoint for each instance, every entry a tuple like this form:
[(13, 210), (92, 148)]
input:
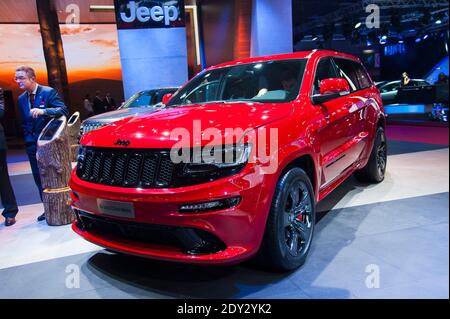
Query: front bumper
[(235, 233)]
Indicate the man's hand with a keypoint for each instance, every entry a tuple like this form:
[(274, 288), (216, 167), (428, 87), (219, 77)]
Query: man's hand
[(35, 113)]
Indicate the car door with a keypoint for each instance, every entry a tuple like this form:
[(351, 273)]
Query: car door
[(357, 102), (336, 132)]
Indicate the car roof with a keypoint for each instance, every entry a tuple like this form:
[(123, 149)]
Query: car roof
[(398, 81), (287, 56)]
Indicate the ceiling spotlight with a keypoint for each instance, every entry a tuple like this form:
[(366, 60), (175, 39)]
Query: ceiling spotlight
[(315, 38), (418, 40), (400, 41), (438, 22), (384, 37), (425, 36), (357, 25), (369, 43)]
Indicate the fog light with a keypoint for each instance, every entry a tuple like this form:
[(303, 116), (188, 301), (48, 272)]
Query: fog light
[(210, 206)]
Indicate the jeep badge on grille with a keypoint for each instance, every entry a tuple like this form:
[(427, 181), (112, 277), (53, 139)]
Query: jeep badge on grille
[(122, 142)]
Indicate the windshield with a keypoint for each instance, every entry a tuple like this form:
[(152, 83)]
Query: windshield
[(140, 99), (273, 81), (147, 98)]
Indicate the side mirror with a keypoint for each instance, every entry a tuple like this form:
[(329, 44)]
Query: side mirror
[(166, 98), (334, 85), (330, 89)]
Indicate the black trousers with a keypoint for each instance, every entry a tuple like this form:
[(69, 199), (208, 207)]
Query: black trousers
[(31, 152), (6, 192)]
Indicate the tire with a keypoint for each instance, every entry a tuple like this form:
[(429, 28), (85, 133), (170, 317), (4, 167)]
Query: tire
[(375, 168), (290, 224)]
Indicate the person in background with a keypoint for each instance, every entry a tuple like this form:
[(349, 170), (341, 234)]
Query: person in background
[(442, 79), (109, 102), (7, 196), (405, 80), (87, 104), (442, 93), (98, 104), (38, 104)]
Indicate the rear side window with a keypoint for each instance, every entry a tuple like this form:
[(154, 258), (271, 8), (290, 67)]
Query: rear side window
[(363, 77), (346, 69), (325, 70)]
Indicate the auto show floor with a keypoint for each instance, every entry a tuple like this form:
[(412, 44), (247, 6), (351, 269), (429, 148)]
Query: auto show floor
[(389, 240)]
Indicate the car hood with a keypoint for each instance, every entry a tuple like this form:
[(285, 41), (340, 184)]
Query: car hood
[(164, 128), (117, 115)]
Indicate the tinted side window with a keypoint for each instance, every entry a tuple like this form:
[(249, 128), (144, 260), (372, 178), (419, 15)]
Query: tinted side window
[(325, 70), (363, 77), (347, 71), (419, 83), (390, 87)]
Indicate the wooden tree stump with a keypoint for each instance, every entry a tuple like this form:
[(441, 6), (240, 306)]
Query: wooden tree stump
[(55, 167), (53, 155), (73, 131), (57, 206)]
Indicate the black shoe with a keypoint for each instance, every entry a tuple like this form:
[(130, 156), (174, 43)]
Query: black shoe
[(41, 217), (9, 221)]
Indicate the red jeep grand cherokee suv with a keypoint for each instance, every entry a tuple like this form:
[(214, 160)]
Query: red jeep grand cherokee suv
[(323, 116)]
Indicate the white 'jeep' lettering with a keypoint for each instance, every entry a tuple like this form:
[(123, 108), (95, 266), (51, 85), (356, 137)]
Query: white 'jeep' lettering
[(144, 14)]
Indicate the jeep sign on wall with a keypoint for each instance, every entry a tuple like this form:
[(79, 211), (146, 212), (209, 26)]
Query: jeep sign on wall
[(145, 14)]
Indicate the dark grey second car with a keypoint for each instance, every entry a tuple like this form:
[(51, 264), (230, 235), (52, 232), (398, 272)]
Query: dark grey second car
[(389, 89), (141, 102)]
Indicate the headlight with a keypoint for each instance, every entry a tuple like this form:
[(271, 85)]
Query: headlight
[(87, 127), (218, 159)]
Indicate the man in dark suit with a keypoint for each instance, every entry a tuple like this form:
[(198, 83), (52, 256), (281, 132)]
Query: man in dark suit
[(37, 105), (98, 104), (110, 103), (6, 192)]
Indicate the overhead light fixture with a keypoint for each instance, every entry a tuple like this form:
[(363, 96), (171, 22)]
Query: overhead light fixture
[(418, 40), (425, 36), (400, 41), (384, 37), (368, 51), (315, 38), (438, 22), (369, 43), (357, 25)]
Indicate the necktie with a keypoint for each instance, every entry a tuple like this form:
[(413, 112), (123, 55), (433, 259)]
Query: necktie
[(32, 100)]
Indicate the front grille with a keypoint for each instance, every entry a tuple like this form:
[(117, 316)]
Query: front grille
[(126, 167), (189, 240)]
